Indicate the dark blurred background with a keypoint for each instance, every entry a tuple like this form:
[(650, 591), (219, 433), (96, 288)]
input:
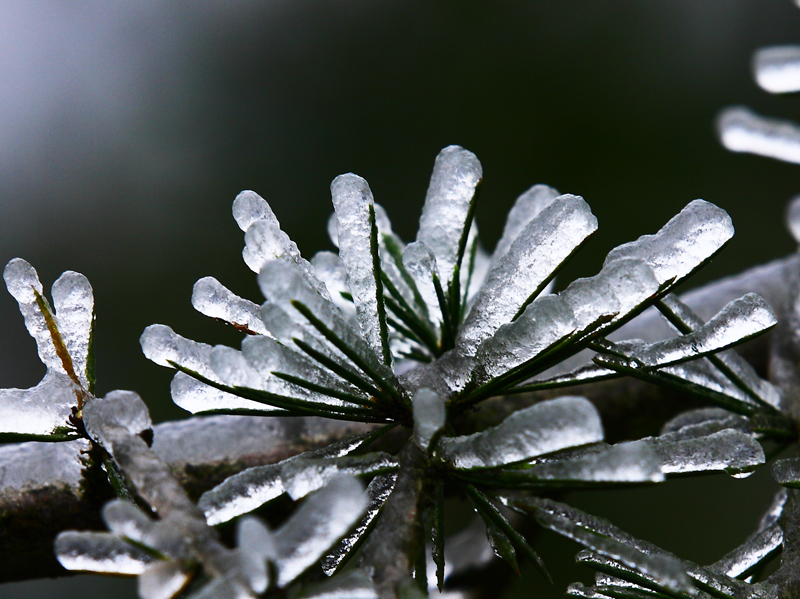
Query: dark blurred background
[(127, 128)]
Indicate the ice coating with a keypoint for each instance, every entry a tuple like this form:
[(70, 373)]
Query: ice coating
[(223, 586), (123, 409), (305, 475), (248, 207), (195, 396), (284, 285), (727, 450), (22, 280), (162, 345), (446, 214), (736, 368), (126, 520), (777, 68), (738, 320), (358, 249), (624, 463), (666, 570), (265, 356), (542, 428), (253, 487), (754, 550), (430, 415), (319, 522), (774, 511), (793, 217), (525, 208), (330, 270), (254, 538), (544, 323), (523, 271), (683, 244), (378, 491), (420, 264), (233, 369), (741, 130), (162, 580), (40, 409), (73, 301), (353, 584), (100, 552), (213, 299), (786, 472), (704, 421)]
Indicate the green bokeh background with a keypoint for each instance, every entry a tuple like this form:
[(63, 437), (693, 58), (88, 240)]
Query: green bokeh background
[(129, 174)]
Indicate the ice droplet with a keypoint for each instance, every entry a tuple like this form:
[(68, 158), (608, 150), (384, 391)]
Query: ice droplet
[(743, 131), (100, 552), (683, 244), (319, 522), (777, 68), (523, 271), (213, 299), (449, 202), (359, 251), (430, 415), (542, 428)]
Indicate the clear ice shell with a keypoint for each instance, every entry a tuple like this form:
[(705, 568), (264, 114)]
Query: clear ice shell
[(737, 321), (743, 131), (683, 244), (523, 271), (793, 217), (213, 299), (754, 550), (283, 285), (525, 208), (330, 270), (358, 249), (378, 491), (446, 214), (320, 521), (119, 409), (542, 428), (727, 450), (127, 521), (307, 474), (73, 301), (777, 68), (253, 487), (786, 472), (430, 415), (195, 396), (353, 584), (162, 345), (420, 264), (162, 580), (40, 409), (100, 552), (22, 280)]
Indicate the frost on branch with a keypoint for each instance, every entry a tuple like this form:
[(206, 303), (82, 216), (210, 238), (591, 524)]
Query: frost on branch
[(63, 336)]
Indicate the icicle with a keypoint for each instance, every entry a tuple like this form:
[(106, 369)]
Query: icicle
[(378, 491), (320, 521), (682, 245), (429, 417), (162, 345), (100, 552), (777, 68), (752, 552), (449, 202), (523, 271), (213, 299), (542, 428), (525, 208), (358, 249), (743, 131)]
